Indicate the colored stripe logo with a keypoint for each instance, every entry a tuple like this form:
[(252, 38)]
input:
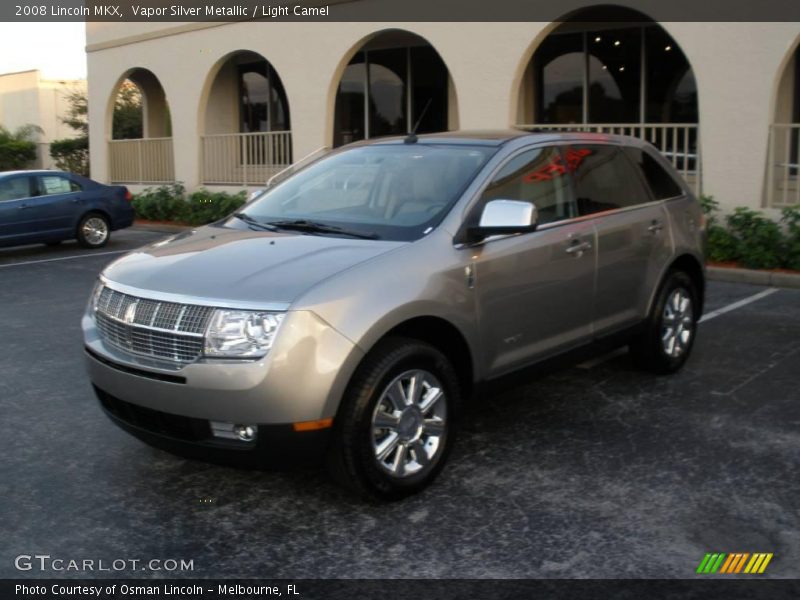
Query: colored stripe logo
[(735, 563)]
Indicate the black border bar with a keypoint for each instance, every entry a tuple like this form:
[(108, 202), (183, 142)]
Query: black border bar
[(729, 588), (390, 10)]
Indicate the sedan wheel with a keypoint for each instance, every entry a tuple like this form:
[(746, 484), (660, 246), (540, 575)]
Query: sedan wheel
[(93, 231)]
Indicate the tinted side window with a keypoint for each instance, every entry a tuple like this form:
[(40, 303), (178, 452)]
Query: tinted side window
[(54, 184), (660, 181), (537, 176), (604, 179), (15, 188)]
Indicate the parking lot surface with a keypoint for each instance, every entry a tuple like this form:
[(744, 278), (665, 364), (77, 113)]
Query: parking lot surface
[(585, 470)]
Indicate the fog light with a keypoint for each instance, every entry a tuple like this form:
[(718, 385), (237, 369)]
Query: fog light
[(229, 431), (246, 433)]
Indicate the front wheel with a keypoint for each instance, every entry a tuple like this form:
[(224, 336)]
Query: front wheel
[(668, 336), (93, 231), (396, 424)]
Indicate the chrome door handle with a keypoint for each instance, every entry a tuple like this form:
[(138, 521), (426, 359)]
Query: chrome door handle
[(655, 227), (578, 248), (23, 206)]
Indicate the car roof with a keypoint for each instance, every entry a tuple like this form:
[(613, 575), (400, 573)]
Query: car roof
[(502, 136), (32, 172)]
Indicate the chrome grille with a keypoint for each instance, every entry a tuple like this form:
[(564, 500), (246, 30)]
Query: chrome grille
[(151, 327)]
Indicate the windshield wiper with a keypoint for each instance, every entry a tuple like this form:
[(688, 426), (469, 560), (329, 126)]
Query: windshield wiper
[(254, 224), (316, 227)]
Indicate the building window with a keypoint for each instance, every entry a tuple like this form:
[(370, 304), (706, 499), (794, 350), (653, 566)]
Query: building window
[(630, 74), (262, 99), (386, 91)]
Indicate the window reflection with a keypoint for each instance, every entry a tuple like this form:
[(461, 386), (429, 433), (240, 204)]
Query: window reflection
[(614, 75), (560, 62), (262, 100), (386, 91), (595, 75)]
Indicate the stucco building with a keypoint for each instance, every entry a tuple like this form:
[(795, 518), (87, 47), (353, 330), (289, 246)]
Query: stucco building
[(228, 104), (26, 98)]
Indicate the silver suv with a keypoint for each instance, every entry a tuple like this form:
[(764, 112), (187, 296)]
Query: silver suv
[(348, 311)]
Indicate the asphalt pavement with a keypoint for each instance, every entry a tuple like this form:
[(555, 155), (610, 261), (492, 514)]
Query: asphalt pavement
[(586, 470)]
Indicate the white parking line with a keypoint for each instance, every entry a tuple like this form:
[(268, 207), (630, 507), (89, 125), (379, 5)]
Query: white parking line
[(47, 260), (591, 364), (744, 302)]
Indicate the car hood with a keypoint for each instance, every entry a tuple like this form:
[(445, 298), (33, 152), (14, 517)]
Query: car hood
[(224, 263)]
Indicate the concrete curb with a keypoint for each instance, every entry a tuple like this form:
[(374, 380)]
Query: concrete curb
[(160, 227), (752, 276)]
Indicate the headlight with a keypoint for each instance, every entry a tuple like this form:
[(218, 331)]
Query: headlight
[(241, 333), (94, 299)]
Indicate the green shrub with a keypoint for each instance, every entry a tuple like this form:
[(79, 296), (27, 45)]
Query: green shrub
[(170, 203), (710, 208), (206, 207), (71, 154), (722, 245), (790, 217), (164, 203), (760, 239), (18, 148)]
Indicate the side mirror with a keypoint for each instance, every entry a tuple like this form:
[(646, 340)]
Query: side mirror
[(504, 217)]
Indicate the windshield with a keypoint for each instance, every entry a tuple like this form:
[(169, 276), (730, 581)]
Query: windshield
[(395, 192)]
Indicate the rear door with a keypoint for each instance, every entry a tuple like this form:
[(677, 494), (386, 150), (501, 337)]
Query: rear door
[(534, 290), (59, 203), (633, 237)]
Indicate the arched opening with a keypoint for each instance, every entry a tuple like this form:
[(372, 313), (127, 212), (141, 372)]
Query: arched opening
[(612, 69), (245, 122), (784, 139), (140, 148), (394, 81)]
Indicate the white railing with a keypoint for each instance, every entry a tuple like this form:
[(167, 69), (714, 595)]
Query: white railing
[(147, 160), (245, 158), (678, 142), (783, 165)]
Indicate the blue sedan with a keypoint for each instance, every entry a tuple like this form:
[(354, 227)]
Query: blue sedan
[(51, 206)]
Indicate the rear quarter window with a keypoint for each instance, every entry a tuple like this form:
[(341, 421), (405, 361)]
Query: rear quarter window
[(53, 184), (660, 182)]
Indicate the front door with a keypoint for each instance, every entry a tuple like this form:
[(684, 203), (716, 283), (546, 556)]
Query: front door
[(16, 194), (535, 290)]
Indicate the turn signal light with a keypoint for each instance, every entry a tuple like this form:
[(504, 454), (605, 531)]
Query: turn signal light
[(313, 425)]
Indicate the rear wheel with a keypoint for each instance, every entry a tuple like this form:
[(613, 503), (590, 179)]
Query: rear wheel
[(93, 231), (669, 332), (396, 424)]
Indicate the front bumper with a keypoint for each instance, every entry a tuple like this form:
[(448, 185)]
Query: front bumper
[(302, 378), (275, 447)]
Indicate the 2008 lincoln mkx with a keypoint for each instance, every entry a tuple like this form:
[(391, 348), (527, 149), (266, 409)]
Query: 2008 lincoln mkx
[(347, 311)]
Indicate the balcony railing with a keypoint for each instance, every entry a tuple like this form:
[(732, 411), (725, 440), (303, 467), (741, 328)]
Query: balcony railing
[(245, 158), (678, 142), (147, 160), (783, 165)]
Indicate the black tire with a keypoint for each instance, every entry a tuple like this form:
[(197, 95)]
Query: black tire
[(87, 228), (649, 350), (353, 459)]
